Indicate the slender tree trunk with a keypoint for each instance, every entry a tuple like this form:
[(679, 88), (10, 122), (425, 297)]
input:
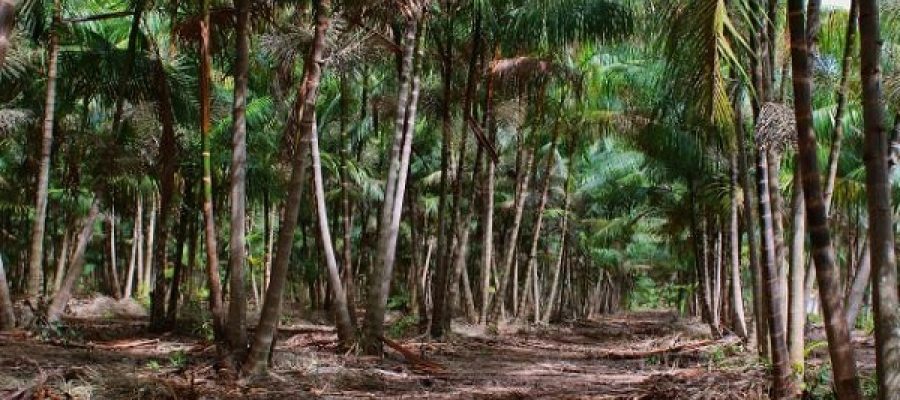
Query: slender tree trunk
[(61, 261), (144, 284), (184, 225), (797, 292), (774, 165), (236, 332), (737, 295), (36, 252), (7, 316), (304, 109), (441, 274), (76, 266), (339, 297), (114, 273), (137, 253), (843, 89), (346, 206), (839, 346), (750, 226), (861, 280), (509, 257), (212, 251), (878, 190), (7, 23), (168, 166), (380, 276), (487, 244), (772, 288), (563, 242)]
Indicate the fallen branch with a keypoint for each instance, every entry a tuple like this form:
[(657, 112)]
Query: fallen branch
[(414, 359), (126, 345), (627, 355)]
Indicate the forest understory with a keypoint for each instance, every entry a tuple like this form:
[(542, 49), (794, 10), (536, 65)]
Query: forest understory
[(634, 355)]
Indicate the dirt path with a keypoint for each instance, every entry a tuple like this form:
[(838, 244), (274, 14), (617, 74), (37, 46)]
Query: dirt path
[(635, 356)]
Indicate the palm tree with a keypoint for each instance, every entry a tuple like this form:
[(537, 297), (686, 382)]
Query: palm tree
[(395, 186), (237, 306), (212, 252), (878, 190), (304, 109), (839, 346), (36, 253)]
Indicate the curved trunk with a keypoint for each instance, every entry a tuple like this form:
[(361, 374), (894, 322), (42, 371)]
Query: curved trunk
[(36, 251), (76, 266), (858, 288), (737, 295), (395, 186), (509, 257), (839, 346), (339, 297), (304, 108), (236, 332), (878, 190)]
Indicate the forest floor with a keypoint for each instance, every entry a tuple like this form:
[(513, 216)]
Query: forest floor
[(642, 355)]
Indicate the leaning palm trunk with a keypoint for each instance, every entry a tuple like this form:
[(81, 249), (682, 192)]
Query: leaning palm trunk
[(212, 253), (36, 252), (878, 190), (839, 346), (339, 296), (7, 316), (304, 108), (76, 266), (395, 187), (538, 225), (237, 306), (510, 255), (7, 23), (772, 287)]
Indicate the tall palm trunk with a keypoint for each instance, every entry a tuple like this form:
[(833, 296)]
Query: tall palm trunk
[(771, 286), (878, 191), (168, 166), (487, 244), (212, 252), (76, 266), (797, 292), (7, 316), (61, 261), (510, 256), (751, 228), (339, 296), (137, 253), (237, 306), (7, 23), (839, 346), (737, 295), (395, 186), (531, 262), (304, 109), (36, 252)]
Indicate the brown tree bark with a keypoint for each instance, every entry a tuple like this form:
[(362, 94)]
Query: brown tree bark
[(7, 316), (36, 252), (839, 346), (76, 266), (236, 332), (395, 187), (881, 222), (304, 107)]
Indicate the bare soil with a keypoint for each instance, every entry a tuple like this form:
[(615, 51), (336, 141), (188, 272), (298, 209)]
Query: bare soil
[(648, 355)]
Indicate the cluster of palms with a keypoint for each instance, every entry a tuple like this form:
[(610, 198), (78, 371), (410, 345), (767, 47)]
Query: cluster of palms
[(513, 159)]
